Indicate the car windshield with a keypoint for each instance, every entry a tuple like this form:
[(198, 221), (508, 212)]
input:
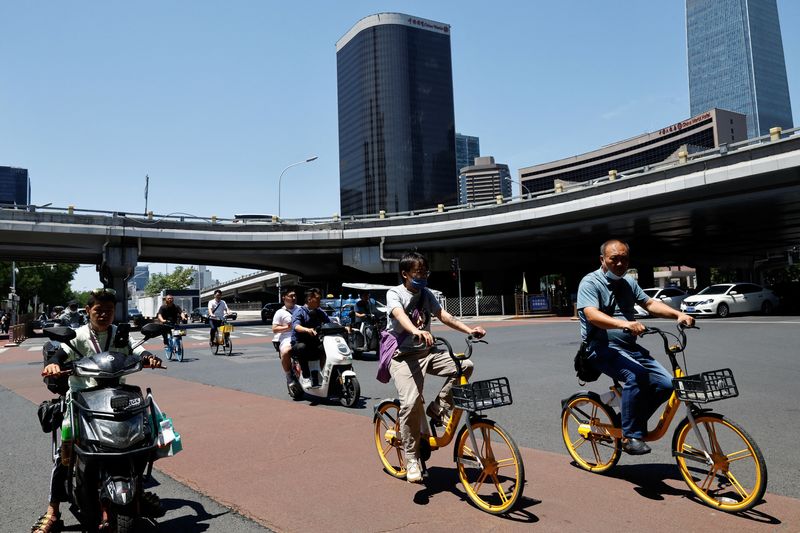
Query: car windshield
[(715, 289), (651, 292)]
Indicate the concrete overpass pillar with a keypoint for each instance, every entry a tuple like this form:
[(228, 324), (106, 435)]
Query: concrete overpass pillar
[(647, 278), (703, 274), (117, 266)]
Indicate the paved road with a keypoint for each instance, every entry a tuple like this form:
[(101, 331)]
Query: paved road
[(536, 355)]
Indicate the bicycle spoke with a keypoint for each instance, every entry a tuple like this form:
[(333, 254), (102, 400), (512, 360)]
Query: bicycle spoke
[(735, 484), (578, 443), (506, 462), (596, 452), (712, 437), (706, 485), (741, 454), (479, 482), (500, 491)]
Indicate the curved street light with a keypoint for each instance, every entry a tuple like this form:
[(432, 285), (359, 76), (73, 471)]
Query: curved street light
[(310, 159), (521, 186)]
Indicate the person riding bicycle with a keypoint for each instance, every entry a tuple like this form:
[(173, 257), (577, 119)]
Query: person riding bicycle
[(305, 343), (71, 315), (608, 327), (410, 307), (97, 336), (169, 313), (217, 311), (282, 328)]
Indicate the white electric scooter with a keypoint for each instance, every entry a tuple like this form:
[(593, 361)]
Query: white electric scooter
[(337, 378)]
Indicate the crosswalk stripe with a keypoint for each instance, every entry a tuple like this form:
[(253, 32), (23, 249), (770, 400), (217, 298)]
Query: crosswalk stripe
[(255, 334), (3, 350)]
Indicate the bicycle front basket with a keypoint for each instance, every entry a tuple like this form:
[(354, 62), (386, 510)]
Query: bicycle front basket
[(480, 395), (706, 387), (226, 328)]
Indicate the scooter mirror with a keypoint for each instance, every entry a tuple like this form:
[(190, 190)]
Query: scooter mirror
[(59, 333), (154, 330)]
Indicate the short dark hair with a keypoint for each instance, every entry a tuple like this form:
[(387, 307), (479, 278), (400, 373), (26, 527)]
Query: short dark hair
[(101, 296), (217, 291), (611, 241), (287, 290), (412, 259), (313, 290)]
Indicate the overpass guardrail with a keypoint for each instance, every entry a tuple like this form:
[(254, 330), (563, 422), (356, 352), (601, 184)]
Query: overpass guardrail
[(474, 208)]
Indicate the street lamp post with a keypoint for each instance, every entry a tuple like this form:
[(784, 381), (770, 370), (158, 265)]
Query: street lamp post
[(310, 159), (521, 186)]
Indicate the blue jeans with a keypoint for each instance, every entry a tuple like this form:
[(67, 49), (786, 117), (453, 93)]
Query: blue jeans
[(645, 384)]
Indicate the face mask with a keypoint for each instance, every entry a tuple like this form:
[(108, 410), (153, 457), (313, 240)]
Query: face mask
[(419, 284), (613, 277)]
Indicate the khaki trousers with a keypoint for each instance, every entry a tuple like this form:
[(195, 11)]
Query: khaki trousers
[(408, 371)]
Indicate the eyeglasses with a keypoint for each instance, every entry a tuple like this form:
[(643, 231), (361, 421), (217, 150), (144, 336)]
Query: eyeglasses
[(420, 274), (101, 290)]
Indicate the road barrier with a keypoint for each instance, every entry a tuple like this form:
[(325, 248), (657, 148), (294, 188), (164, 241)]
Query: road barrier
[(16, 334)]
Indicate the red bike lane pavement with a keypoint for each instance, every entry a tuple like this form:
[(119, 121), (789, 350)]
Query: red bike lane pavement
[(296, 467)]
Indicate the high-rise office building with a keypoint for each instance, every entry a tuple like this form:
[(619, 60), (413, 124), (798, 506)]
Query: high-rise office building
[(396, 118), (467, 149), (141, 275), (15, 186), (736, 61), (484, 181)]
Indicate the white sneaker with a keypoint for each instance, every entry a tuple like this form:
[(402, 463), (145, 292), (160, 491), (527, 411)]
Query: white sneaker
[(305, 382), (413, 471)]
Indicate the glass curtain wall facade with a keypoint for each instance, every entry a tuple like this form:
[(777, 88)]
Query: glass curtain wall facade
[(15, 186), (467, 149), (736, 61), (396, 118)]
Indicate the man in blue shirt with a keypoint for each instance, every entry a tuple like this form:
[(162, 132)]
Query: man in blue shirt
[(605, 308), (306, 345)]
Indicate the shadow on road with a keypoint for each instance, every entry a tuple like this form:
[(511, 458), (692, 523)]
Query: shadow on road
[(650, 481), (441, 480)]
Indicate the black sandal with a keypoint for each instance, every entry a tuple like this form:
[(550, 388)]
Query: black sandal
[(48, 523), (150, 506)]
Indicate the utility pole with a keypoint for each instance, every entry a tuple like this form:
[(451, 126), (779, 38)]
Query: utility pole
[(146, 191)]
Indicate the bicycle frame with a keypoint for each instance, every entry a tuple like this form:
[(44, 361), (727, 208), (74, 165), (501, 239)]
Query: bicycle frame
[(670, 408)]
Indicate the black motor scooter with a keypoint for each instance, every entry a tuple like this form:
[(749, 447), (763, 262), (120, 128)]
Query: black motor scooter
[(109, 436)]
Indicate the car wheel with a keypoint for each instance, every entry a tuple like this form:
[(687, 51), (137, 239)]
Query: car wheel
[(766, 308), (723, 310)]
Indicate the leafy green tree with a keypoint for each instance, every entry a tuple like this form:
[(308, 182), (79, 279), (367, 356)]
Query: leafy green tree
[(38, 282), (179, 279)]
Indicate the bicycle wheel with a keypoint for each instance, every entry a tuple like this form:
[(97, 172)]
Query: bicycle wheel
[(227, 348), (737, 479), (168, 350), (179, 350), (590, 446), (387, 438), (495, 484)]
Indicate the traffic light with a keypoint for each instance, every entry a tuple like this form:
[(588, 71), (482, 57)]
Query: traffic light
[(454, 267)]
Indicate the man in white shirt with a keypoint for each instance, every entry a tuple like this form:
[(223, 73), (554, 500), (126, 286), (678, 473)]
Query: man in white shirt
[(282, 328), (217, 310)]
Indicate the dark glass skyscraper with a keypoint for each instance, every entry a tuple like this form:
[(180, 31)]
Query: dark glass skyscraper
[(396, 119), (467, 149), (736, 61), (15, 186)]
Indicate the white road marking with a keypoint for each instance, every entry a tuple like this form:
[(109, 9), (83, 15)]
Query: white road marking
[(3, 350), (255, 334), (34, 348)]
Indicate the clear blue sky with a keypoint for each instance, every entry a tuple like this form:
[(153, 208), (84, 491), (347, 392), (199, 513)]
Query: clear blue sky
[(214, 99)]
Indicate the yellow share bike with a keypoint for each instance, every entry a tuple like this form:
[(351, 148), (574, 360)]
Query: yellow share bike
[(719, 461), (487, 458)]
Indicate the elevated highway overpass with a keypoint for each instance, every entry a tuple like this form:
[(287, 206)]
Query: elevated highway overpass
[(730, 209)]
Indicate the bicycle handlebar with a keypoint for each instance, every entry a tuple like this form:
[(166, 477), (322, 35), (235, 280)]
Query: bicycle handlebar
[(682, 341)]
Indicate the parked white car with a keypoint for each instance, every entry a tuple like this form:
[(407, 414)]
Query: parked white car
[(671, 296), (726, 298)]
